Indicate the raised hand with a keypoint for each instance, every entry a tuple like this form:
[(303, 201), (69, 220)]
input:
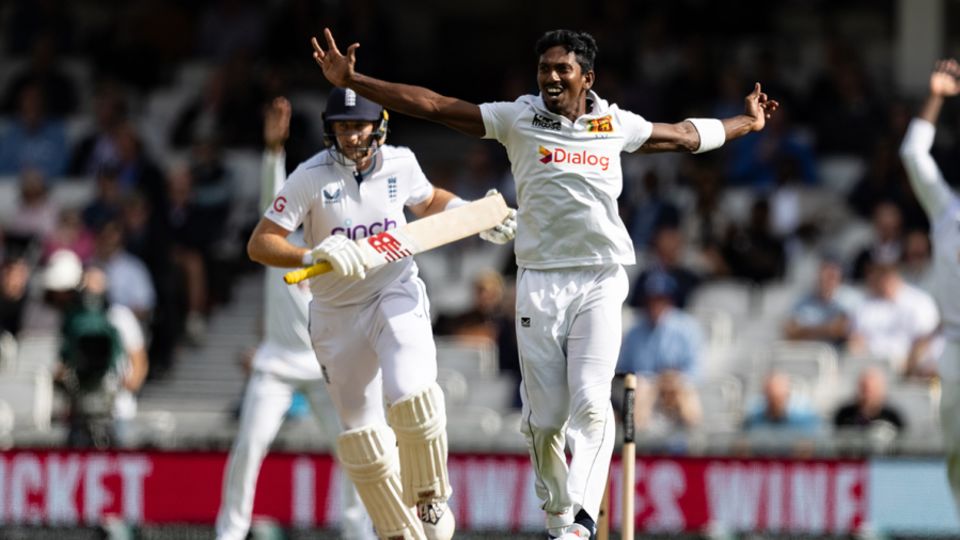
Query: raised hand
[(943, 80), (337, 68), (276, 124), (760, 107)]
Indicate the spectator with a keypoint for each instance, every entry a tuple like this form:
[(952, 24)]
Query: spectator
[(887, 240), (667, 250), (57, 88), (483, 319), (133, 286), (666, 405), (33, 141), (916, 265), (36, 216), (896, 322), (99, 149), (825, 313), (107, 199), (753, 252), (869, 410), (706, 225), (780, 411), (665, 338), (70, 233), (759, 160), (14, 277), (135, 170), (649, 212)]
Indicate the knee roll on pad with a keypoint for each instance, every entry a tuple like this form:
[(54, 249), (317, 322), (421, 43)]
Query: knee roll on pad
[(369, 459), (420, 422)]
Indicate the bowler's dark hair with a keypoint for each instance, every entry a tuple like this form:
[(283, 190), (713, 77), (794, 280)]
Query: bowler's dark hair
[(581, 44)]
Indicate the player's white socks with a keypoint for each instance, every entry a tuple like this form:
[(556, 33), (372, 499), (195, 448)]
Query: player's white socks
[(369, 459), (420, 423)]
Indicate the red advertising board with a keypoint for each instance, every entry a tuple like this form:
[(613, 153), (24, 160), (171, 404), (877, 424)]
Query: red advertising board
[(490, 492)]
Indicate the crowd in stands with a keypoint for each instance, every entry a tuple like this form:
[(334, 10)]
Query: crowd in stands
[(161, 217)]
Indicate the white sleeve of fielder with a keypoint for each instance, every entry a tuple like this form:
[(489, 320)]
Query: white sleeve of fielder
[(272, 173), (497, 118), (636, 130), (924, 174), (292, 202)]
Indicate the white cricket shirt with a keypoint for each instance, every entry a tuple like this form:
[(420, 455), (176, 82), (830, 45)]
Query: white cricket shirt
[(568, 179), (328, 199)]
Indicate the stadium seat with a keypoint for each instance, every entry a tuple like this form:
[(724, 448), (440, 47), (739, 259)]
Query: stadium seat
[(840, 173), (473, 427), (732, 297), (497, 394), (777, 299), (8, 352), (30, 394), (812, 362), (919, 403), (37, 351), (6, 419), (721, 398), (454, 386), (476, 359)]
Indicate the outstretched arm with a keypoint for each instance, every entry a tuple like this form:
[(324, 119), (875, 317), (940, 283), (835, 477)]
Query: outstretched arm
[(924, 174), (403, 98), (686, 136)]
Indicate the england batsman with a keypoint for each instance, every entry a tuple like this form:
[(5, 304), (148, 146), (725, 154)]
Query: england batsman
[(942, 206), (370, 328), (283, 363), (564, 147)]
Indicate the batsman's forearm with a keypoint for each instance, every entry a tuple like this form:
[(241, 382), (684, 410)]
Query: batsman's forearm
[(737, 126), (931, 108), (274, 250)]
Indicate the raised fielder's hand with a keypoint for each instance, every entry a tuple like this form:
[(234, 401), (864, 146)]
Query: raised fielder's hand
[(342, 254), (505, 231), (337, 67)]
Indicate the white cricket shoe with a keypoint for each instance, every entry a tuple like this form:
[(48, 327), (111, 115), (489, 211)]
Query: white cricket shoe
[(575, 532), (438, 521)]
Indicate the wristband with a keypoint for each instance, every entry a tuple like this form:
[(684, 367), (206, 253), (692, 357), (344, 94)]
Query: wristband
[(712, 134), (455, 202)]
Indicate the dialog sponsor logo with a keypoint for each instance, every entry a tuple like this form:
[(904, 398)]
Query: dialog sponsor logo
[(574, 157)]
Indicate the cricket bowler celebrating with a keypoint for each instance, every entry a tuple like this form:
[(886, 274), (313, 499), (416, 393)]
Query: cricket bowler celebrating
[(370, 328), (942, 207), (564, 148), (283, 363)]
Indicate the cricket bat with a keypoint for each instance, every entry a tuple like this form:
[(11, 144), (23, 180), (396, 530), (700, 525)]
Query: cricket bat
[(628, 456), (420, 235)]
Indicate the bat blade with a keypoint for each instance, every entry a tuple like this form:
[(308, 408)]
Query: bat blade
[(420, 235)]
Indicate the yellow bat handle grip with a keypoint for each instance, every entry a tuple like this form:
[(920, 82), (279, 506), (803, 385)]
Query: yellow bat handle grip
[(296, 276)]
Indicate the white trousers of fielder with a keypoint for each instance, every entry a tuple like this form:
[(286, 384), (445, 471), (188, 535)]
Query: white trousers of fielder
[(266, 401), (568, 334)]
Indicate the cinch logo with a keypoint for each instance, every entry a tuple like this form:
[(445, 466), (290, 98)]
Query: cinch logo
[(581, 157), (356, 232)]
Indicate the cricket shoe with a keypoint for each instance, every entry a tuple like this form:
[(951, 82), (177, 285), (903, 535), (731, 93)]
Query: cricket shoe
[(576, 532), (438, 521)]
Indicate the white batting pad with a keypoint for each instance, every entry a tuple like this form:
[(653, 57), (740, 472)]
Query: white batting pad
[(368, 457), (420, 423)]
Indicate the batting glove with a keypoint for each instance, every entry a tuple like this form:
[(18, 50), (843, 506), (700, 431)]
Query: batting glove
[(505, 231), (342, 254)]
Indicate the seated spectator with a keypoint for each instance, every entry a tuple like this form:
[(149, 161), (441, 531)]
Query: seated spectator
[(98, 148), (43, 71), (666, 405), (107, 199), (667, 249), (780, 411), (665, 338), (483, 319), (14, 276), (649, 211), (869, 410), (36, 215), (917, 262), (896, 322), (752, 252), (70, 233), (133, 287), (33, 141), (824, 314), (887, 239)]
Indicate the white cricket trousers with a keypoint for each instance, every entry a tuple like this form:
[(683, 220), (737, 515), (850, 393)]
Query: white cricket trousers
[(381, 349), (568, 334), (950, 413), (265, 403)]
